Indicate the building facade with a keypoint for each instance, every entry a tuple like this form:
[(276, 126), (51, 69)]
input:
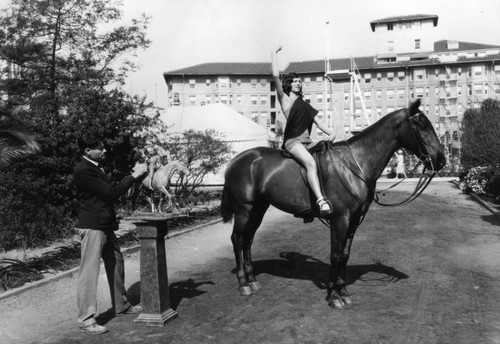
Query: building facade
[(352, 93)]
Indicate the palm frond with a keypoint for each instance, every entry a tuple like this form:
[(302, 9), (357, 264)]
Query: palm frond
[(16, 144)]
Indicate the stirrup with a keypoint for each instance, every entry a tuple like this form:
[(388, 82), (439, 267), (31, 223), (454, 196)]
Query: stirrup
[(321, 204)]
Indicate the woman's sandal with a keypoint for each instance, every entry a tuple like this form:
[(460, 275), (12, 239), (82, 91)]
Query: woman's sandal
[(325, 207)]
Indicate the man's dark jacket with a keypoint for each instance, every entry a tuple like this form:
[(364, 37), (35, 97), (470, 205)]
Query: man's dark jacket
[(97, 196)]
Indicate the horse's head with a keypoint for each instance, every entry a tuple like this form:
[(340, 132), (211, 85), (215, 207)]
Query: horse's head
[(420, 138)]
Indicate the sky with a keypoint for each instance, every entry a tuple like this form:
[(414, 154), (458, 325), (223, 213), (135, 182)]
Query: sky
[(190, 32)]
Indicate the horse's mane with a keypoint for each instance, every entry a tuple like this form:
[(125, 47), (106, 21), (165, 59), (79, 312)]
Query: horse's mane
[(381, 122)]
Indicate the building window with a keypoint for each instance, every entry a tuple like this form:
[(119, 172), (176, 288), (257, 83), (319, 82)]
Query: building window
[(263, 100), (379, 112), (346, 96), (319, 98), (253, 100), (390, 94), (368, 78), (379, 94), (264, 119), (319, 81), (419, 74), (263, 83), (238, 99), (238, 83), (223, 82), (379, 76), (478, 89), (419, 92), (307, 98), (401, 75), (307, 81), (417, 44), (223, 99), (390, 26), (401, 93), (192, 100), (469, 90), (192, 83), (390, 45), (390, 76), (478, 70), (208, 99), (427, 92), (254, 83), (255, 117), (367, 95), (207, 82)]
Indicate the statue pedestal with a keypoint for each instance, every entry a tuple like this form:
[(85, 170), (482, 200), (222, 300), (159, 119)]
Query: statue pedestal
[(155, 296)]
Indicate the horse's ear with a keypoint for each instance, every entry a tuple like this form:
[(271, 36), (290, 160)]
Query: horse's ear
[(414, 107)]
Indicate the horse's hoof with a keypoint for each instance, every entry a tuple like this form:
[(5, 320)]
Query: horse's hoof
[(245, 290), (254, 285), (337, 304), (346, 300)]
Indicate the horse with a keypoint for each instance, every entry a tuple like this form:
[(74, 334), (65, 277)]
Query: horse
[(348, 170), (161, 182)]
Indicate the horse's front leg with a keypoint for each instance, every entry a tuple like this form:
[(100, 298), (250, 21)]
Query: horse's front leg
[(338, 297)]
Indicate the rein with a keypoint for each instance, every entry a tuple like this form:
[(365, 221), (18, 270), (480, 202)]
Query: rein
[(424, 180)]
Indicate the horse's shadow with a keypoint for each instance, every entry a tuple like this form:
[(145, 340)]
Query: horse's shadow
[(298, 266)]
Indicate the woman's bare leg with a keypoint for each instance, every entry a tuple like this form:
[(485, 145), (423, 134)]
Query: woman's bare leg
[(305, 158)]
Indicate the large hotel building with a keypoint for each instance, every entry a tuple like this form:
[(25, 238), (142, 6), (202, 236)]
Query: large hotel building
[(351, 93)]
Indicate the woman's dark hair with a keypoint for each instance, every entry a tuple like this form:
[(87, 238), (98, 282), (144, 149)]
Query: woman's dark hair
[(287, 80)]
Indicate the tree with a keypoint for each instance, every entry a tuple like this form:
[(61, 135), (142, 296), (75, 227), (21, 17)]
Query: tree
[(68, 71), (202, 153), (15, 143), (481, 136)]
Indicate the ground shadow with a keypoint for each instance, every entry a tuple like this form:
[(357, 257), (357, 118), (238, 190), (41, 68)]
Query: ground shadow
[(298, 266), (492, 219), (178, 290)]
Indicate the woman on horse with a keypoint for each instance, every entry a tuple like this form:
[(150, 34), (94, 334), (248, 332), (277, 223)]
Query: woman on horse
[(299, 119)]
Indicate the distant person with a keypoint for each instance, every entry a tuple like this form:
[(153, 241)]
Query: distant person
[(96, 224), (400, 167), (300, 117)]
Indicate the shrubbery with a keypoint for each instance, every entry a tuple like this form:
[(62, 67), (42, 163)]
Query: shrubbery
[(480, 153)]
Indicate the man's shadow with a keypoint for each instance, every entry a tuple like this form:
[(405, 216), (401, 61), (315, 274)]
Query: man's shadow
[(178, 290), (298, 266)]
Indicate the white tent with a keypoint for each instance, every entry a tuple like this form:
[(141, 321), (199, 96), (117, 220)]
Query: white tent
[(239, 131)]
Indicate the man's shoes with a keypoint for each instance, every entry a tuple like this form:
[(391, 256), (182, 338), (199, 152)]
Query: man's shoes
[(130, 310), (93, 329)]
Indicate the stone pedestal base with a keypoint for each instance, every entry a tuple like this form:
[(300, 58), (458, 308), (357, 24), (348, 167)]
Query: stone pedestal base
[(156, 319), (155, 298)]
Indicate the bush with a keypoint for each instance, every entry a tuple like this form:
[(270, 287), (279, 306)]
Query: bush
[(476, 180)]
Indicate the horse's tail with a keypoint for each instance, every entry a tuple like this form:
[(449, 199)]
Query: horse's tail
[(226, 210)]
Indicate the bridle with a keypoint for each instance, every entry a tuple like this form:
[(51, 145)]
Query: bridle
[(423, 156)]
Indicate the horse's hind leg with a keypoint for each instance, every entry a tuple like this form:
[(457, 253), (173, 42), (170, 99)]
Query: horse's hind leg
[(246, 222)]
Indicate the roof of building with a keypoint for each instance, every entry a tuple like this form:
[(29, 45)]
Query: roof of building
[(401, 19), (442, 46), (224, 68), (318, 66), (228, 123)]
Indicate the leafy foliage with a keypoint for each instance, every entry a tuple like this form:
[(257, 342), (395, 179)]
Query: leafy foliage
[(481, 136), (202, 153), (65, 73)]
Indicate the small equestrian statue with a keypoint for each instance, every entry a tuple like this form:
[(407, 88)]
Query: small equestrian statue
[(158, 179)]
